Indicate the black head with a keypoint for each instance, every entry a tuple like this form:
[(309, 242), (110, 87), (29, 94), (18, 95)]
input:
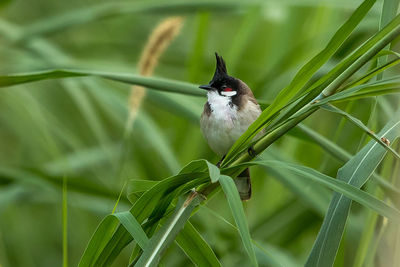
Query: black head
[(223, 83)]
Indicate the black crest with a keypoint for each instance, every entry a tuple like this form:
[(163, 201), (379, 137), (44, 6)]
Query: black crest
[(221, 77), (220, 70)]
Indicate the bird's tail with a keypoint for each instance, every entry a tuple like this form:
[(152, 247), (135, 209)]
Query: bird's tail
[(243, 184)]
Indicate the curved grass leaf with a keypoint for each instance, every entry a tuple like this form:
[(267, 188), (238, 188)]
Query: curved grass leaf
[(301, 78), (313, 195), (362, 126), (150, 82), (65, 221), (242, 37), (329, 83), (105, 231), (355, 172), (41, 178), (137, 186), (377, 88), (389, 86), (339, 186), (99, 240), (155, 136), (72, 18), (133, 227), (232, 195), (277, 259), (113, 242), (374, 72), (196, 62), (59, 22), (389, 11), (167, 233), (343, 156), (195, 247), (141, 210), (202, 165)]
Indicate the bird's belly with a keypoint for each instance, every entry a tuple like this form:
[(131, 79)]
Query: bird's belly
[(222, 130)]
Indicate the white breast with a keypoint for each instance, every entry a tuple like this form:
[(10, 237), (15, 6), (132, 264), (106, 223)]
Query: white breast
[(226, 123)]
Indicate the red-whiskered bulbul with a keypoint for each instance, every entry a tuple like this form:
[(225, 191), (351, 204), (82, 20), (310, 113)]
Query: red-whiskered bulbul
[(229, 111)]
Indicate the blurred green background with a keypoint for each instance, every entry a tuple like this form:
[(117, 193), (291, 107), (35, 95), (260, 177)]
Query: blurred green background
[(74, 128)]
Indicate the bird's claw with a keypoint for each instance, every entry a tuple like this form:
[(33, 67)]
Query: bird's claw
[(219, 162), (251, 151)]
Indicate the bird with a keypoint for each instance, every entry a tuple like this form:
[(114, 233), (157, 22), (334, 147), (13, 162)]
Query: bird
[(230, 109)]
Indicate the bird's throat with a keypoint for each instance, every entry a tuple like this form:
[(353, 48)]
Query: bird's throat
[(220, 105)]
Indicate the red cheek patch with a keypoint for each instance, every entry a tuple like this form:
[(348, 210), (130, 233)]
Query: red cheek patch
[(228, 89)]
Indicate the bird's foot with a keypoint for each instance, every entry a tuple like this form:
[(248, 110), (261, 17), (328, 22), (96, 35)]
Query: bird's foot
[(219, 162), (251, 151)]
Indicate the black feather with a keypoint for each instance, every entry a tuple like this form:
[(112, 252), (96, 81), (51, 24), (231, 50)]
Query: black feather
[(221, 73), (221, 67)]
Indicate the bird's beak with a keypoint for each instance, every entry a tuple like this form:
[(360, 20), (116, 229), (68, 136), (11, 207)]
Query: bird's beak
[(206, 87)]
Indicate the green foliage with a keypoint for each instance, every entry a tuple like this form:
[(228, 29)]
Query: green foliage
[(232, 195), (161, 84), (355, 172), (195, 247), (64, 89)]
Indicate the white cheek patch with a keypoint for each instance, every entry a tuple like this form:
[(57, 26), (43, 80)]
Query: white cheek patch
[(228, 93)]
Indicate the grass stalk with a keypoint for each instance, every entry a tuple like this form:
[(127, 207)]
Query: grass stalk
[(65, 222), (159, 40)]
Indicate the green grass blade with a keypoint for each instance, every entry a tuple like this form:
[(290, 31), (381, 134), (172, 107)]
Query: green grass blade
[(167, 233), (118, 199), (362, 126), (59, 22), (242, 37), (329, 146), (345, 69), (330, 83), (150, 82), (155, 136), (65, 222), (302, 77), (200, 166), (232, 195), (374, 72), (62, 21), (133, 227), (106, 231), (274, 259), (378, 88), (339, 186), (196, 61), (366, 238), (343, 156), (389, 11), (355, 172), (79, 95), (111, 243), (38, 177), (337, 40), (99, 240), (389, 86), (195, 247), (138, 186), (314, 196)]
